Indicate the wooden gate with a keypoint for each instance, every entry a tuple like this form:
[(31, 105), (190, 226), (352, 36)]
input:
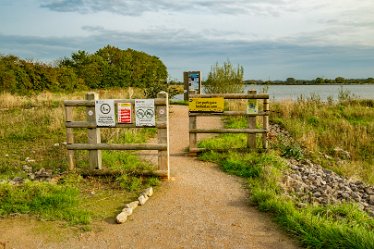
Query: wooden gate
[(252, 130), (94, 145)]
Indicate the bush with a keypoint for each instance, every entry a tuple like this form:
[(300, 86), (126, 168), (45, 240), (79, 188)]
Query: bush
[(225, 79)]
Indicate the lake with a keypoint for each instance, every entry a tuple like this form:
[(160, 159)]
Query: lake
[(293, 92)]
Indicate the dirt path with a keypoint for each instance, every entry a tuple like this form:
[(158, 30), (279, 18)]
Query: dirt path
[(201, 207)]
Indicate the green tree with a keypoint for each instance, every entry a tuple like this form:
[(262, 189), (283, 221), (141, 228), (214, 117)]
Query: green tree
[(225, 79), (291, 81), (340, 80)]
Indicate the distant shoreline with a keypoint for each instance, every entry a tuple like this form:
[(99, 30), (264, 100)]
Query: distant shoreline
[(308, 84)]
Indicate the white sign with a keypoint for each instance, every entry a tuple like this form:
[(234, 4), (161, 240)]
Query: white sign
[(145, 112), (105, 112)]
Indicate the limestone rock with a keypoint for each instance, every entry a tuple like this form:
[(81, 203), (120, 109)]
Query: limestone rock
[(121, 218), (127, 211), (132, 205), (148, 191), (143, 199)]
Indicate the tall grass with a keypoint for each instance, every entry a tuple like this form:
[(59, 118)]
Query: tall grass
[(321, 128)]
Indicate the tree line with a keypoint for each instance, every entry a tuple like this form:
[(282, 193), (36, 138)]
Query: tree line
[(107, 67)]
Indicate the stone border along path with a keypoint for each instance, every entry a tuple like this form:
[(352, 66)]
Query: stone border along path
[(201, 207)]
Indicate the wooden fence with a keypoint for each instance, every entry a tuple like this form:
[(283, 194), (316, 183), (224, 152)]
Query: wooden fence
[(94, 145), (252, 130)]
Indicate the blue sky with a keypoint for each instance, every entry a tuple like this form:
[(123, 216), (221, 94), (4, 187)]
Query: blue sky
[(271, 39)]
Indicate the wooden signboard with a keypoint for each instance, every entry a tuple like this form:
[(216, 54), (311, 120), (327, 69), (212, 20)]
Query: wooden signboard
[(206, 104)]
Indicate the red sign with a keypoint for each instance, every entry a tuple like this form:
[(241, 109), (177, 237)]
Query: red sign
[(124, 113)]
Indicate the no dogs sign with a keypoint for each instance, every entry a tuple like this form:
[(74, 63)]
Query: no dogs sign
[(145, 112)]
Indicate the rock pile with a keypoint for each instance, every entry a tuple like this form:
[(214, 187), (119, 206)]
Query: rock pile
[(310, 183)]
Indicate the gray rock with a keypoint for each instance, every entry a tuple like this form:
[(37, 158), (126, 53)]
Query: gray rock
[(345, 195), (369, 191), (371, 199), (27, 169)]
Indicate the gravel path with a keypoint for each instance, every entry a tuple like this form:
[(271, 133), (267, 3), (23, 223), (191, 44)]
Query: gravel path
[(201, 207)]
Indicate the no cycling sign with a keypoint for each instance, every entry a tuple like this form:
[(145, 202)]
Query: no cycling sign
[(145, 112)]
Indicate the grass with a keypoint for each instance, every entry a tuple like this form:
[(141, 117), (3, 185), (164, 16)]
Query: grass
[(32, 133), (47, 201), (320, 128), (315, 226)]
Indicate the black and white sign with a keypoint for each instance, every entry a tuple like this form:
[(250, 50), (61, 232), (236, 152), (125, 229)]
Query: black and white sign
[(145, 112), (105, 112)]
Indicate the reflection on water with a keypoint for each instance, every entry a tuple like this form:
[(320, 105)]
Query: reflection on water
[(293, 92)]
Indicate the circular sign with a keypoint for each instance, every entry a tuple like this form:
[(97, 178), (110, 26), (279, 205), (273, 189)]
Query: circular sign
[(90, 113), (149, 113), (105, 108)]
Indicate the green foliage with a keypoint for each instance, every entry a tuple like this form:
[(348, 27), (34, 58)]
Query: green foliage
[(48, 201), (108, 67), (225, 79), (130, 183)]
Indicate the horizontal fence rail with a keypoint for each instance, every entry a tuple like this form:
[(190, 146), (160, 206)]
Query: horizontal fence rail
[(252, 130)]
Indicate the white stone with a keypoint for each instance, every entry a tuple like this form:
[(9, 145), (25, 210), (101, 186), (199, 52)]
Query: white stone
[(148, 191), (121, 218), (143, 199), (127, 211), (132, 205)]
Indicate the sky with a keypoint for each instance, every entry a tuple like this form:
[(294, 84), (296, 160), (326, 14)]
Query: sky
[(271, 39)]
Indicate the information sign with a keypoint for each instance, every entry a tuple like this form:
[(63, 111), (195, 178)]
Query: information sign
[(194, 81), (124, 113), (145, 112), (104, 110), (252, 107), (206, 104)]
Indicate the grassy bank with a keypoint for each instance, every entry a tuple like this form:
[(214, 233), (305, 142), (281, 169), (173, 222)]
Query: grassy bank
[(324, 130), (315, 226), (32, 137)]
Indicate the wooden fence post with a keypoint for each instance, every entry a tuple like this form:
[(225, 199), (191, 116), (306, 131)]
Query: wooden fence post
[(192, 136), (69, 136), (251, 138), (265, 124), (163, 134), (95, 158)]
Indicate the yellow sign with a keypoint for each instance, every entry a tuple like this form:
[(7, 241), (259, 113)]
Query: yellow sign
[(206, 104)]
